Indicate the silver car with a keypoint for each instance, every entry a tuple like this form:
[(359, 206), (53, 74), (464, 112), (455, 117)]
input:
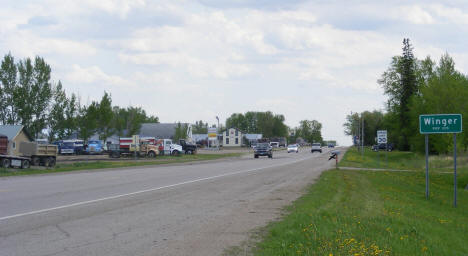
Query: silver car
[(293, 148)]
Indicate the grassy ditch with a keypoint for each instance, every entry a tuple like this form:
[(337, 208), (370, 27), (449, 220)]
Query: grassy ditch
[(400, 160), (91, 165), (375, 213)]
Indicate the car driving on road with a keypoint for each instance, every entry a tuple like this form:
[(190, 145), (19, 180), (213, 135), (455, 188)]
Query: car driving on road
[(263, 149), (383, 146), (293, 148), (316, 147)]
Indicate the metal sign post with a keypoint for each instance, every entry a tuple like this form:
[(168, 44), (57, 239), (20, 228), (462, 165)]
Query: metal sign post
[(441, 123), (455, 170), (426, 140), (382, 139)]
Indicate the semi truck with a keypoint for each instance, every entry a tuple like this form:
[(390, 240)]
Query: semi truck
[(167, 147), (94, 147), (134, 146), (72, 147), (30, 153)]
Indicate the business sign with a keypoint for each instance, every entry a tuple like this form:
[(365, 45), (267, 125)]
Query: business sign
[(212, 133), (382, 137), (440, 123)]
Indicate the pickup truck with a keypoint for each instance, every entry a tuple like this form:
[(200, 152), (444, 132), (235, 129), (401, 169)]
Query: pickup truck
[(263, 149), (188, 148)]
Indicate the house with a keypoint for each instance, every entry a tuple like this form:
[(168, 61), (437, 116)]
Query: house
[(232, 137), (159, 130), (15, 134)]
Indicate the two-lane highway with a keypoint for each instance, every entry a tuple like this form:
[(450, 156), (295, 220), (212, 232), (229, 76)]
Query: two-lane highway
[(195, 209)]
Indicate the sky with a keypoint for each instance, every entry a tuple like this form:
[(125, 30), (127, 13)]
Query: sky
[(198, 59)]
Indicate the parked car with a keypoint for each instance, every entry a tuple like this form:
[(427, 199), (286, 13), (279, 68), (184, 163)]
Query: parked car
[(383, 146), (293, 148), (316, 147), (263, 149)]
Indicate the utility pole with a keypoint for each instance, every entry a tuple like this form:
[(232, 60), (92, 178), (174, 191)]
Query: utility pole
[(362, 140), (217, 132)]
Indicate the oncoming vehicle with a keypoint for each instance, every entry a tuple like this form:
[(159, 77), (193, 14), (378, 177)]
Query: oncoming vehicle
[(293, 148), (263, 149), (316, 147), (274, 144)]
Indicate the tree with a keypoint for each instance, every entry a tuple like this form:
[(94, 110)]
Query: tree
[(8, 86), (266, 123), (57, 117), (87, 123), (400, 84), (311, 131), (104, 117), (71, 112), (33, 94), (180, 131), (200, 128), (152, 119)]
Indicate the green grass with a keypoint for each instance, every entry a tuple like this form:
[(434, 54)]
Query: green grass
[(400, 160), (375, 213), (92, 165)]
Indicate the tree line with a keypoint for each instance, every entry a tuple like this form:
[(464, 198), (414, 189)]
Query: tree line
[(415, 87), (272, 125), (28, 97)]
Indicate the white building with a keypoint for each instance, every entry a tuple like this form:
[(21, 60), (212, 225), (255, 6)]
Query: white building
[(232, 137)]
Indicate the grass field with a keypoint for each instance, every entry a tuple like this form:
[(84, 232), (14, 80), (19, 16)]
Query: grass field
[(115, 164), (375, 213)]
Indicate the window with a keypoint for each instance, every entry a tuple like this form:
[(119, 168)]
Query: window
[(14, 145), (227, 132), (237, 134), (227, 141), (237, 141)]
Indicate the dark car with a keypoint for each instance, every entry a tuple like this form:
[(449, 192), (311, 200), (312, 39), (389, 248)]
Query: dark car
[(263, 149), (388, 147)]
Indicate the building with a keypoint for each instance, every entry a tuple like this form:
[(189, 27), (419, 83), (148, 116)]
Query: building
[(252, 138), (15, 134), (232, 137), (159, 130)]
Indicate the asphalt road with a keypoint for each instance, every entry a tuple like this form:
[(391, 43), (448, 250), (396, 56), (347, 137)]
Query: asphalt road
[(195, 209)]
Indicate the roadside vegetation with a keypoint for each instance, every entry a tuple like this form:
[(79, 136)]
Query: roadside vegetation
[(360, 212), (95, 165), (414, 87)]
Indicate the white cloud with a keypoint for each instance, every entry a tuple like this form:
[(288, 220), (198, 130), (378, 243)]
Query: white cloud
[(417, 15), (94, 75), (216, 61)]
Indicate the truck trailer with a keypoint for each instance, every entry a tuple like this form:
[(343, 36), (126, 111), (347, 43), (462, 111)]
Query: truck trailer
[(31, 153)]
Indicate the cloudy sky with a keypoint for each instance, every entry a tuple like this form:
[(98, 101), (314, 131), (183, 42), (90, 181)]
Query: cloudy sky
[(194, 60)]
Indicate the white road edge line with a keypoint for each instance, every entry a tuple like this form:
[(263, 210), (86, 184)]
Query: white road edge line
[(146, 190)]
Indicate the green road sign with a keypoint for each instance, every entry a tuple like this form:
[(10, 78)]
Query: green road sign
[(440, 123)]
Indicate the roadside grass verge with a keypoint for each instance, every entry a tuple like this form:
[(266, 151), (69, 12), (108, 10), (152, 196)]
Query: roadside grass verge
[(94, 165), (373, 213), (359, 212), (400, 160)]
